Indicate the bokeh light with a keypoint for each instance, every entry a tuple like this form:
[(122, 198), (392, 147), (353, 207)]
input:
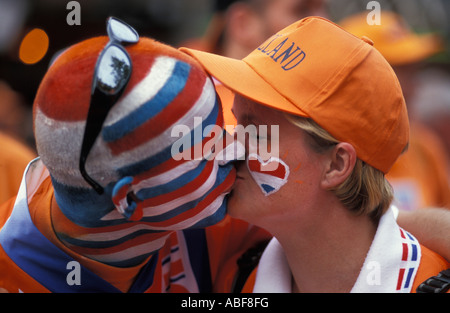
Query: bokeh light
[(34, 46)]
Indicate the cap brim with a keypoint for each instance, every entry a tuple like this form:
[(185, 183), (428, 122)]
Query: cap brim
[(238, 76)]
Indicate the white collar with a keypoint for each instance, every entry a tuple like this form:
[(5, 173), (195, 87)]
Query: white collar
[(273, 274), (390, 266)]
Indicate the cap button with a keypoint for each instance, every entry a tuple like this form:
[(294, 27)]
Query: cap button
[(368, 40)]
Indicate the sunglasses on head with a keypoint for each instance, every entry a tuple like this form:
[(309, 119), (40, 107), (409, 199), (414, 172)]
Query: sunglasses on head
[(111, 75)]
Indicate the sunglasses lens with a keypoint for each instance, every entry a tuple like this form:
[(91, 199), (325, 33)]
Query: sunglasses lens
[(113, 71), (121, 31)]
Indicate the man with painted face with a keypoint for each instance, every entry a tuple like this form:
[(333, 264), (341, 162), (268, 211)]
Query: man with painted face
[(107, 207)]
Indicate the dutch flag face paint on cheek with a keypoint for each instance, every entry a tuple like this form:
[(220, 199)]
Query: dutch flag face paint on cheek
[(270, 175)]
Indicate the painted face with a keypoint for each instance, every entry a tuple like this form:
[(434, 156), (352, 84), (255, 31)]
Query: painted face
[(270, 183), (181, 184), (195, 198), (270, 175), (192, 194), (169, 109)]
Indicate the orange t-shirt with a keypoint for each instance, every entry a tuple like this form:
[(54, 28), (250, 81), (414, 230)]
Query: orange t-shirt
[(14, 158), (419, 176)]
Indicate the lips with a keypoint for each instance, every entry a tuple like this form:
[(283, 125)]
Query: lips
[(270, 175)]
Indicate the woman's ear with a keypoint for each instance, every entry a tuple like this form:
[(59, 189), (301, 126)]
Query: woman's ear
[(340, 164)]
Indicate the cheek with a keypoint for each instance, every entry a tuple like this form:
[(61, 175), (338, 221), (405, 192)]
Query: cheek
[(266, 186), (177, 199), (269, 175)]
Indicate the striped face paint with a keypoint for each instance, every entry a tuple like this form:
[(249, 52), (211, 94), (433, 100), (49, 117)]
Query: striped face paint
[(172, 194), (270, 175), (148, 192)]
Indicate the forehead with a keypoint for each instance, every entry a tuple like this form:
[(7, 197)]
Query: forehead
[(251, 112)]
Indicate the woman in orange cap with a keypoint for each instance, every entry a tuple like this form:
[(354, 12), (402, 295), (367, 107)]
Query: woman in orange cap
[(342, 124)]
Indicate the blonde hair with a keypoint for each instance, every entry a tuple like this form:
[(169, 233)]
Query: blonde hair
[(366, 191)]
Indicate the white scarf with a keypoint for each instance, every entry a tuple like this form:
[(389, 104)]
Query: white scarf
[(390, 266)]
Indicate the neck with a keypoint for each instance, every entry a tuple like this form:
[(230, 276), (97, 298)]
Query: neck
[(328, 256), (78, 218)]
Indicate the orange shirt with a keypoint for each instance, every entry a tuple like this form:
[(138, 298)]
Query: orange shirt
[(419, 176), (14, 157)]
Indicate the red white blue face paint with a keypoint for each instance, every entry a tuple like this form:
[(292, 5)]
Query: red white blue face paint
[(270, 175)]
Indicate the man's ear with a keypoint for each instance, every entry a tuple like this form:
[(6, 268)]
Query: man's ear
[(340, 165)]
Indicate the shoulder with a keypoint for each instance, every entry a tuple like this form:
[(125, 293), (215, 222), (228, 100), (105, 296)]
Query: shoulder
[(431, 264)]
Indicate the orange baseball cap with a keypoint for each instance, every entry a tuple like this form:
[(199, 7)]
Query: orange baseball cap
[(394, 38), (313, 68)]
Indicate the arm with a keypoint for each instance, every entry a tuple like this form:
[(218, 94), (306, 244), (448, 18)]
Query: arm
[(430, 226)]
